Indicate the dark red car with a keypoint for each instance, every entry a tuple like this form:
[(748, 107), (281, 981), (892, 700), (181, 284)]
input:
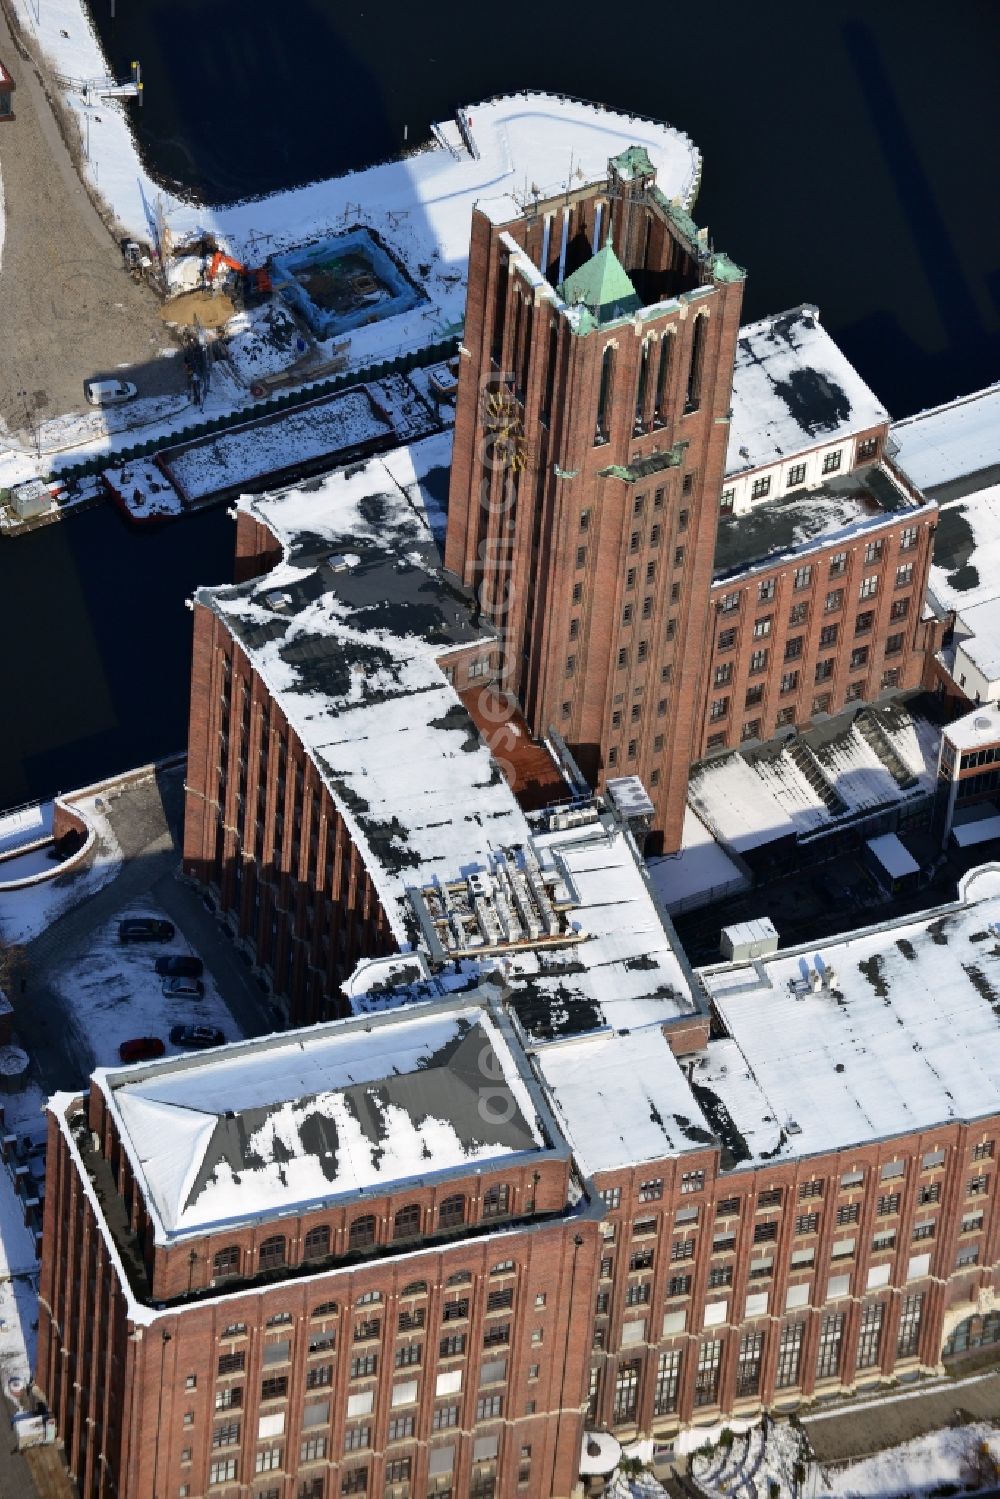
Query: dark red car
[(141, 1049)]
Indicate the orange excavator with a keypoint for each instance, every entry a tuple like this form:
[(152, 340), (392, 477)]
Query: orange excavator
[(258, 280)]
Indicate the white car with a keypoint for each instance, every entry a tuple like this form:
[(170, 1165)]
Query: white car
[(109, 392)]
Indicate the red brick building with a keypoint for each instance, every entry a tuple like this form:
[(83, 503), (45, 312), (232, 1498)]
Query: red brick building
[(410, 1252), (328, 754), (817, 605), (590, 444), (344, 1262)]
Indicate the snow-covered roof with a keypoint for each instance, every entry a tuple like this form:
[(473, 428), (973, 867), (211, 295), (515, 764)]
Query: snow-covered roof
[(803, 519), (893, 855), (629, 972), (621, 967), (700, 867), (951, 444), (345, 632), (975, 729), (966, 566), (750, 800), (271, 1126), (793, 389), (623, 1099), (900, 1032), (982, 644)]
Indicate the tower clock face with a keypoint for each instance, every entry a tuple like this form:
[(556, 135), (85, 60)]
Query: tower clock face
[(502, 419)]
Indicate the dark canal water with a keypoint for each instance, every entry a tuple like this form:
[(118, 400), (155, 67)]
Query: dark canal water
[(849, 161)]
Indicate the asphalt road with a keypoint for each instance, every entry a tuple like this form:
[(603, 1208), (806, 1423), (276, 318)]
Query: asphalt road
[(68, 309)]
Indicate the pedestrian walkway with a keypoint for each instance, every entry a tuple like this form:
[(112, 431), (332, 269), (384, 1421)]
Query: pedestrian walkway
[(865, 1426)]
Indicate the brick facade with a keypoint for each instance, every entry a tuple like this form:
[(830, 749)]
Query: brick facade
[(262, 831), (833, 625), (586, 476)]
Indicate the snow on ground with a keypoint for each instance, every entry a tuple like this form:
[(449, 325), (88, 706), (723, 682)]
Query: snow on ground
[(26, 913), (404, 405), (751, 1463), (23, 1115), (420, 206), (263, 341), (956, 1455), (114, 993)]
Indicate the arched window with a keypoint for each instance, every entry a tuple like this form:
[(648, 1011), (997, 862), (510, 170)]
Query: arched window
[(662, 377), (451, 1213), (697, 361), (406, 1224), (325, 1309), (496, 1201), (362, 1234), (460, 1278), (602, 426), (415, 1288), (271, 1252), (226, 1262), (317, 1243)]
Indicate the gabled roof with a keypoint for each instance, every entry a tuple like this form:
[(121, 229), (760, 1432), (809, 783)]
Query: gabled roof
[(602, 284)]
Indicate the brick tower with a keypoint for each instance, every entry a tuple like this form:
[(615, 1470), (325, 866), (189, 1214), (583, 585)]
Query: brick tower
[(590, 443)]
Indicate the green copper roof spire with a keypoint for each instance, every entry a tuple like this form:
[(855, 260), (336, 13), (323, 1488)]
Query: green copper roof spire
[(602, 284)]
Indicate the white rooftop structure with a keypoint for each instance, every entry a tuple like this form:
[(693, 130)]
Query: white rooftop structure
[(974, 730), (978, 641), (345, 631), (982, 828), (891, 1030), (893, 855), (957, 441), (623, 1099), (700, 872), (271, 1126), (793, 389)]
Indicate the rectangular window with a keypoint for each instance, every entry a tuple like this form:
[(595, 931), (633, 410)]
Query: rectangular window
[(758, 662), (679, 1285), (720, 1275), (761, 488), (727, 639), (831, 462), (611, 1197), (824, 670), (719, 708), (802, 577), (678, 556), (707, 1372), (223, 1470), (789, 1355), (275, 1388), (651, 1191), (751, 729), (729, 602), (928, 1194), (864, 621), (900, 609), (908, 1338), (887, 1204), (870, 1334), (873, 552), (748, 1364), (724, 674), (983, 1151), (838, 564), (828, 635), (869, 587), (798, 613), (834, 601), (754, 697), (626, 1392), (668, 1379), (831, 1336), (790, 681), (726, 500), (766, 590), (904, 575), (796, 475), (977, 1185), (808, 1223), (849, 1213), (489, 1406), (859, 657)]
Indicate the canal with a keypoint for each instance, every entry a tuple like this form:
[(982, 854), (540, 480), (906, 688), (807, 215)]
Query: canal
[(846, 150)]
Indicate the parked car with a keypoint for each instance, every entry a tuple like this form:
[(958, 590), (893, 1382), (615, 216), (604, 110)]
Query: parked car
[(141, 1049), (197, 1036), (145, 929), (108, 392), (179, 965), (182, 988)]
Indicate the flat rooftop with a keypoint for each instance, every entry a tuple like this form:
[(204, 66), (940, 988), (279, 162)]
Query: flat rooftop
[(827, 775), (793, 389), (269, 1127), (622, 1099), (803, 518), (952, 450), (901, 1034), (975, 730), (346, 631), (618, 966)]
